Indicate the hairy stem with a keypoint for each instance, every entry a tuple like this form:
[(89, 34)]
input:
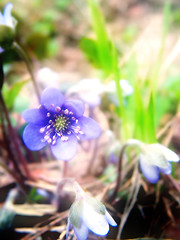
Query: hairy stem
[(13, 136), (119, 167)]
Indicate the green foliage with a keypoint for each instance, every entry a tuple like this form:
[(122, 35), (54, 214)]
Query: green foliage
[(172, 87), (34, 196), (149, 121), (21, 103), (144, 118), (129, 34), (176, 17), (102, 44), (10, 94), (42, 45), (62, 4), (157, 64), (166, 19), (165, 104), (137, 117), (109, 175), (89, 47)]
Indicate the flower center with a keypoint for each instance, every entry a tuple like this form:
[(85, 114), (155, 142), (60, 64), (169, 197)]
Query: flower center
[(61, 123)]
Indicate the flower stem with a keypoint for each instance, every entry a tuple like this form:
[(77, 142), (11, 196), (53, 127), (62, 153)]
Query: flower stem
[(65, 169), (26, 59), (78, 190), (174, 183), (15, 176), (14, 138), (93, 156), (119, 168)]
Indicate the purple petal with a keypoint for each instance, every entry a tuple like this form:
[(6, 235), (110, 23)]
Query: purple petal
[(1, 49), (36, 116), (150, 172), (95, 221), (110, 219), (75, 106), (51, 98), (82, 232), (33, 138), (89, 127), (166, 170), (65, 150)]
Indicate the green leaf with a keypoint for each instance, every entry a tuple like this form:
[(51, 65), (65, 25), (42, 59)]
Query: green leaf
[(166, 19), (89, 47), (11, 93), (109, 174), (104, 47), (34, 196), (149, 122), (62, 4), (164, 104), (139, 115), (21, 103)]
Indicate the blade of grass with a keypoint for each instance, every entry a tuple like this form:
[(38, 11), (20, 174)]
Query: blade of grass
[(139, 115), (157, 65), (102, 39), (122, 112), (149, 121)]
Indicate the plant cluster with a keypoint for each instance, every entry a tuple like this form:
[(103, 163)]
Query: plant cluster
[(68, 122)]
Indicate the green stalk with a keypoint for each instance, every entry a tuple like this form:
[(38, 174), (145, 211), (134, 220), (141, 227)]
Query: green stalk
[(122, 113), (102, 38), (157, 64)]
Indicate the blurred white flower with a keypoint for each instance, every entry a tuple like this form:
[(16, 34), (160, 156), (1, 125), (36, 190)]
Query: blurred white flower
[(90, 90), (7, 28), (6, 18), (155, 158), (127, 89), (87, 213), (48, 77)]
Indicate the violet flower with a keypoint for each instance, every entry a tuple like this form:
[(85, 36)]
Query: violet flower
[(7, 27), (59, 123), (155, 158), (87, 213)]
